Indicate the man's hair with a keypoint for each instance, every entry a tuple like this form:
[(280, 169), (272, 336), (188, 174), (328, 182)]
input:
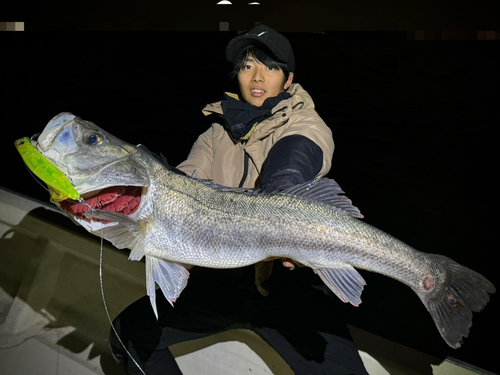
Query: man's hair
[(260, 56)]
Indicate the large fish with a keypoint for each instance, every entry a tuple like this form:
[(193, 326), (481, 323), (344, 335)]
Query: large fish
[(135, 202)]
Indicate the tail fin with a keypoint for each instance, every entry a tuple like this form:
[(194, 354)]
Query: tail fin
[(451, 304)]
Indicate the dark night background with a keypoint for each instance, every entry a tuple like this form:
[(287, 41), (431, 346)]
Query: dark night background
[(413, 120)]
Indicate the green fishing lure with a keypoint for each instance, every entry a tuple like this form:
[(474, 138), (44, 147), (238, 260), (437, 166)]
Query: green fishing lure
[(59, 186)]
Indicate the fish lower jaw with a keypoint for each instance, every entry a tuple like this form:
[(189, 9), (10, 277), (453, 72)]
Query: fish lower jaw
[(92, 226)]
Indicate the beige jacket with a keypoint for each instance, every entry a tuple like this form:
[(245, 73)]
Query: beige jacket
[(217, 156)]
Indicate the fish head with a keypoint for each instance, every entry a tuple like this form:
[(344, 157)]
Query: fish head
[(108, 173), (89, 156)]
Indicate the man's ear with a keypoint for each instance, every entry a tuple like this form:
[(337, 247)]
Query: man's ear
[(288, 81)]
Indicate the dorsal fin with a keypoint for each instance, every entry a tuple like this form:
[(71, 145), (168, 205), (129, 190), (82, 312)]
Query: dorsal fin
[(220, 187), (322, 190), (327, 191)]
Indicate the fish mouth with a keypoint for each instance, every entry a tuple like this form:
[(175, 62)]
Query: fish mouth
[(122, 199)]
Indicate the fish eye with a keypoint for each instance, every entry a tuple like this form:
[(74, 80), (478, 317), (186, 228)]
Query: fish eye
[(94, 139)]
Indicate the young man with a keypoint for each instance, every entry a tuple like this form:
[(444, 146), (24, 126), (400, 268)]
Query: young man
[(271, 138)]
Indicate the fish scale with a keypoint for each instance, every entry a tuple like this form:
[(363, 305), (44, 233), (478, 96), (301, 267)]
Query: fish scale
[(182, 221), (291, 227)]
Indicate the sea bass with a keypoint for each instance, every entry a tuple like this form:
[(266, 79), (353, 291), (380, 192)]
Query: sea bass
[(134, 201)]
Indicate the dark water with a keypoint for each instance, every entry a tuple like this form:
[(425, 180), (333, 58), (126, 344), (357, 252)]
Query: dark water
[(414, 124)]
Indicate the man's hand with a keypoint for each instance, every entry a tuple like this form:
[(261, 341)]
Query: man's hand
[(288, 263)]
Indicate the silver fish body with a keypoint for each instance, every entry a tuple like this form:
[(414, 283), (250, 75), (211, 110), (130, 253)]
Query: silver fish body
[(178, 221)]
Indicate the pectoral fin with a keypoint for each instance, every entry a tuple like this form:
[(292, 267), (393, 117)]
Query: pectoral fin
[(171, 277), (344, 281), (127, 233)]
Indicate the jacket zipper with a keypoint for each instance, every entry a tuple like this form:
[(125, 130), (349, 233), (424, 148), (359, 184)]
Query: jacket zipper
[(245, 169)]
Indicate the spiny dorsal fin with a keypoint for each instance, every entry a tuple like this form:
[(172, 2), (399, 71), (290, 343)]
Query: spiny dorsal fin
[(216, 186), (327, 191), (322, 190)]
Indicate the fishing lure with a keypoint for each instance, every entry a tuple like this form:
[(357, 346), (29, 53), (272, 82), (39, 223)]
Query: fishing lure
[(59, 186)]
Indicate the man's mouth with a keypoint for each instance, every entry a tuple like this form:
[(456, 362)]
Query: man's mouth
[(257, 92), (121, 199)]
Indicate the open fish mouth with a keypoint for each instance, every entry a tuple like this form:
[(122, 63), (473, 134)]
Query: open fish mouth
[(122, 199)]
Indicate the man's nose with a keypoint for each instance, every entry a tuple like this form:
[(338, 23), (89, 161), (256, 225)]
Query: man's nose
[(257, 76)]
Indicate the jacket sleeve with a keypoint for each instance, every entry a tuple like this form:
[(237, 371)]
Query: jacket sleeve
[(309, 124), (292, 160), (200, 158)]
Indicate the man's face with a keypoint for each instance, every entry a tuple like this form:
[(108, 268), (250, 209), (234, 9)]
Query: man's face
[(258, 82)]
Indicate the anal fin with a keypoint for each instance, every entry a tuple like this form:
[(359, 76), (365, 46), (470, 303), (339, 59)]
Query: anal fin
[(344, 281)]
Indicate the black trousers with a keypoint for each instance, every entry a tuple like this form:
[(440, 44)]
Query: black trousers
[(297, 319)]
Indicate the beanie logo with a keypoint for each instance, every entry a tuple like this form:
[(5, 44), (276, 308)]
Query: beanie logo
[(262, 33)]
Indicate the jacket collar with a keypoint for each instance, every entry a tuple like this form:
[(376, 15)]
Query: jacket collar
[(299, 99), (242, 118)]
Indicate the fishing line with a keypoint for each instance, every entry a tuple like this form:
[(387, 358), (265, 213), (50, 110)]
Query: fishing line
[(36, 178), (45, 186), (104, 301)]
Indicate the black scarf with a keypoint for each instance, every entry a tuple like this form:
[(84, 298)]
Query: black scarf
[(241, 117)]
